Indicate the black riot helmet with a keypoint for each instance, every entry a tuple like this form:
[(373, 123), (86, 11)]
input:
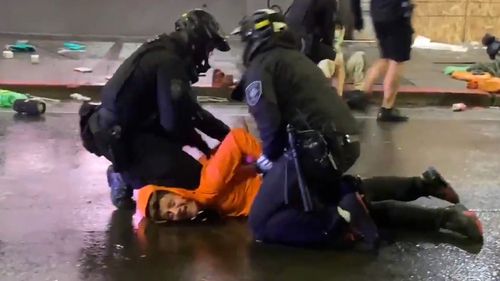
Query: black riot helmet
[(258, 30), (203, 36)]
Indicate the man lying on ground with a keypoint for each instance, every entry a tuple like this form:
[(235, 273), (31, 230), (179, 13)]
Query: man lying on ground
[(230, 183)]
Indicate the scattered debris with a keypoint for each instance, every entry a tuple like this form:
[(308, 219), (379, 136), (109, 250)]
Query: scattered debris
[(454, 62), (459, 107), (143, 256), (63, 51), (7, 98), (83, 69), (452, 68), (79, 97), (8, 54), (35, 59), (29, 107), (211, 99), (73, 46), (43, 98), (119, 247), (220, 79), (422, 42), (21, 46)]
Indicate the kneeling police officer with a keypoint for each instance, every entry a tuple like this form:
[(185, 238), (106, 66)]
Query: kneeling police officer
[(149, 112)]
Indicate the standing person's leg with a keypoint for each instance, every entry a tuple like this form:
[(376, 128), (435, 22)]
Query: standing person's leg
[(457, 218), (396, 47), (431, 183), (378, 69)]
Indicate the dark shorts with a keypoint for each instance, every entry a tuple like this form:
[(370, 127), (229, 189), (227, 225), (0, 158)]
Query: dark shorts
[(394, 39)]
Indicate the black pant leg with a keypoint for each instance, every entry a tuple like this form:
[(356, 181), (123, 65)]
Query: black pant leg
[(274, 220), (392, 188), (392, 214)]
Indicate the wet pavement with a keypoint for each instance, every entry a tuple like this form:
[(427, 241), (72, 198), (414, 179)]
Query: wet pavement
[(56, 221)]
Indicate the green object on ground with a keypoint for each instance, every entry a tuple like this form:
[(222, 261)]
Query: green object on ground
[(452, 68), (22, 48), (7, 98), (74, 46)]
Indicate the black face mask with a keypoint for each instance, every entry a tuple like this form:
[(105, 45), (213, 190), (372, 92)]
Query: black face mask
[(201, 53)]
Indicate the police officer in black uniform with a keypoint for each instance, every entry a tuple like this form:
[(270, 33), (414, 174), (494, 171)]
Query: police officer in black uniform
[(313, 22), (149, 112), (310, 139)]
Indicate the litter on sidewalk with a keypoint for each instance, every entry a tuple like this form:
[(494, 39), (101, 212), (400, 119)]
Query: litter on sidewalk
[(79, 97), (83, 69), (72, 47), (458, 107), (35, 59), (7, 98), (21, 46), (422, 42), (8, 54), (21, 103)]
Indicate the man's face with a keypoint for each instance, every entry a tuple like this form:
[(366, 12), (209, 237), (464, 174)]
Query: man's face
[(176, 208)]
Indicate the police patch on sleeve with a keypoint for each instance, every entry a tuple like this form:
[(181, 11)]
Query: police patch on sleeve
[(253, 93)]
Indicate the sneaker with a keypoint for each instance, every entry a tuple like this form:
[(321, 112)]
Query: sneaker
[(438, 187), (459, 219), (390, 115), (121, 194)]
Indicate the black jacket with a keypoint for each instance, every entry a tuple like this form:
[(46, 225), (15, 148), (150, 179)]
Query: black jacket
[(314, 17), (282, 86), (151, 92)]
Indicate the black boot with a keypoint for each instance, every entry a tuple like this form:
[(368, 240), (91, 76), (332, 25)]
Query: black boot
[(437, 186), (459, 219), (390, 115)]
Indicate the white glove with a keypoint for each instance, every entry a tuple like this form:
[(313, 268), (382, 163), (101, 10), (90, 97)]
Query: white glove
[(264, 164)]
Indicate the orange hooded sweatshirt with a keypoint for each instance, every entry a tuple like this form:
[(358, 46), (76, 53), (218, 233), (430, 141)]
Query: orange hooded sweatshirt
[(224, 186)]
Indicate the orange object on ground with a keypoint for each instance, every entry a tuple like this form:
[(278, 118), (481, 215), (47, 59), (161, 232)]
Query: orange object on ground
[(225, 185), (491, 85), (468, 76)]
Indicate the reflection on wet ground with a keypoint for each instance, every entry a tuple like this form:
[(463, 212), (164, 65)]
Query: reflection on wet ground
[(56, 222)]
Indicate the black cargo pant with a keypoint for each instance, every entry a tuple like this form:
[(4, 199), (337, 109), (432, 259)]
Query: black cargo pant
[(271, 220)]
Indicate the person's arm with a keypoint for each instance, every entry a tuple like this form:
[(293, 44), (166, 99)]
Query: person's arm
[(340, 71), (263, 105)]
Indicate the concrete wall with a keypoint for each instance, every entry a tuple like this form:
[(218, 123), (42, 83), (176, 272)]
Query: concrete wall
[(108, 17), (117, 18)]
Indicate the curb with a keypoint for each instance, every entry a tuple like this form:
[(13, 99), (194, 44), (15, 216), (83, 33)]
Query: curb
[(411, 96)]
